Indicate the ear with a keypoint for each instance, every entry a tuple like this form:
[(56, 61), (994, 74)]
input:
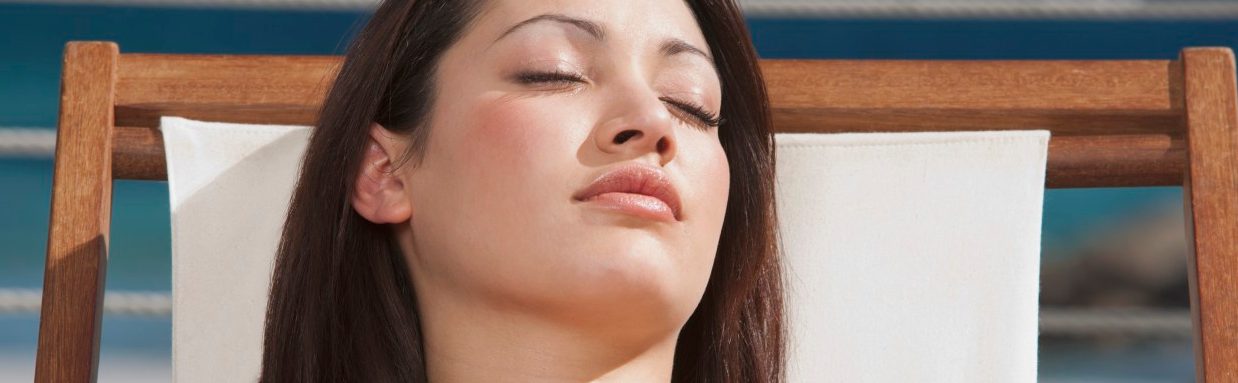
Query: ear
[(379, 193)]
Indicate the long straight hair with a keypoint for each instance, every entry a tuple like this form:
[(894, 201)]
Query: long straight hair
[(342, 306)]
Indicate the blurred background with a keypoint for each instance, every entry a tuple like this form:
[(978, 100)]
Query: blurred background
[(1115, 305)]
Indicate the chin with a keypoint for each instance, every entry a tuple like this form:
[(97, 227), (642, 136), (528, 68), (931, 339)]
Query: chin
[(640, 276)]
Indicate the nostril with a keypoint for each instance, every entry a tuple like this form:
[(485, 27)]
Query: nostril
[(626, 135), (663, 144)]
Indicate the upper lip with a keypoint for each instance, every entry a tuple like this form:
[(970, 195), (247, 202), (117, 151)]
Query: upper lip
[(635, 179)]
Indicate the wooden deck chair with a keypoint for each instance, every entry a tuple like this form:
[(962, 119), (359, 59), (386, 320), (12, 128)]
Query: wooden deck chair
[(1113, 123)]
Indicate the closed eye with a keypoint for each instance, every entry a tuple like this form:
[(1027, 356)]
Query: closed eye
[(534, 78), (695, 111)]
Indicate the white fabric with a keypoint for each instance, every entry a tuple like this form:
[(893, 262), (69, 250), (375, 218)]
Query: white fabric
[(230, 186), (912, 257)]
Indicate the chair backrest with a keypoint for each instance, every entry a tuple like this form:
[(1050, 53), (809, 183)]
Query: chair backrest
[(1114, 123), (914, 249)]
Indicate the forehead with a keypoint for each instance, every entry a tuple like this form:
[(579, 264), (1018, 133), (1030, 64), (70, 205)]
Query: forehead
[(632, 22)]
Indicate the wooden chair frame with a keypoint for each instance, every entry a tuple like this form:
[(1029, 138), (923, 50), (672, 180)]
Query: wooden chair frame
[(1114, 123)]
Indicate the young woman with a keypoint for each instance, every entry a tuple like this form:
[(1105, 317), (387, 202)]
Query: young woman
[(519, 190)]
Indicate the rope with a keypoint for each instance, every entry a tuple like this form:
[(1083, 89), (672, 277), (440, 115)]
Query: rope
[(27, 142), (1054, 321), (1021, 9), (1157, 323), (125, 303)]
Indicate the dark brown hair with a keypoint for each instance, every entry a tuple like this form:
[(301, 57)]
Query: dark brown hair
[(342, 306)]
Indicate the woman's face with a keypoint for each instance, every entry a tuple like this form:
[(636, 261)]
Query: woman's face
[(536, 102)]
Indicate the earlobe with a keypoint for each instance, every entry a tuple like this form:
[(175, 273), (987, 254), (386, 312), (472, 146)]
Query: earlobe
[(379, 193)]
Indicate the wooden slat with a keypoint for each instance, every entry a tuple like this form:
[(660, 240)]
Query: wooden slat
[(1067, 97), (254, 89), (137, 153), (1115, 161), (1211, 193), (81, 210), (1096, 85)]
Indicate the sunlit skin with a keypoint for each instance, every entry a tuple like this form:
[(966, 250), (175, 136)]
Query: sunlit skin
[(515, 279)]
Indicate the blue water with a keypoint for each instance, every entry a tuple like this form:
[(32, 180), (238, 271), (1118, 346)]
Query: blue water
[(33, 37)]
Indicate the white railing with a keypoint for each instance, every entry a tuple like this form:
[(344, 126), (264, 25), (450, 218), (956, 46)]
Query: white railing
[(1054, 321), (128, 303), (27, 142)]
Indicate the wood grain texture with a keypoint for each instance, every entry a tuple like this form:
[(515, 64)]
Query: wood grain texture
[(250, 88), (1067, 97), (1115, 161), (69, 326), (137, 154), (1113, 121), (1211, 193)]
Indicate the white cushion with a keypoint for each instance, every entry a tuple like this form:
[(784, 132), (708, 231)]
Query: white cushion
[(912, 257)]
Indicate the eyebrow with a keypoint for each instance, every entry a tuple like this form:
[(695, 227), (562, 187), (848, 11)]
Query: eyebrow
[(588, 26), (670, 46), (674, 46)]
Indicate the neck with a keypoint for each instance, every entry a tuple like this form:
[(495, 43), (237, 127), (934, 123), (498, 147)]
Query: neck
[(470, 342)]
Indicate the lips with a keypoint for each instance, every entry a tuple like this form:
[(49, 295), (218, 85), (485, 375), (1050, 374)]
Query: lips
[(639, 190)]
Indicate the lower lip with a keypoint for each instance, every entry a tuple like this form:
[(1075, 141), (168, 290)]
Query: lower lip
[(639, 205)]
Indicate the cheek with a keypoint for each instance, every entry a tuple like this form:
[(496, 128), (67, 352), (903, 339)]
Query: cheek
[(493, 192), (500, 135), (705, 168), (518, 137), (720, 174), (712, 173), (500, 166), (721, 190)]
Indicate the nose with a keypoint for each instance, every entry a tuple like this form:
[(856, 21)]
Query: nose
[(639, 126)]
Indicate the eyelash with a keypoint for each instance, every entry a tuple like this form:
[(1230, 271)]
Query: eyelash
[(548, 77), (697, 112)]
